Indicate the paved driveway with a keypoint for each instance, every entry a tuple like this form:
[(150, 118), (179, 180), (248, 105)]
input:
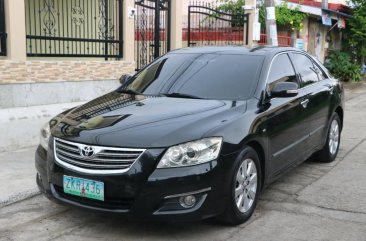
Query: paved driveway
[(315, 201)]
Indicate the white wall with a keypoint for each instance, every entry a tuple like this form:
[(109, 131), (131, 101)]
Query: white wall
[(344, 2)]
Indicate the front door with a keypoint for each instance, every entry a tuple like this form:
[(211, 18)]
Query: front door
[(287, 127), (316, 82)]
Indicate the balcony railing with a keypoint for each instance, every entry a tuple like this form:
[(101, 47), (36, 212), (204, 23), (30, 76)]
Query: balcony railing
[(74, 28)]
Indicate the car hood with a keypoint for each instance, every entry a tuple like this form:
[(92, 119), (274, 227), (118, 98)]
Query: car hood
[(125, 120)]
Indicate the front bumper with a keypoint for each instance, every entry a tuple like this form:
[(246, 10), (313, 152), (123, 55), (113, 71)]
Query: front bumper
[(145, 192)]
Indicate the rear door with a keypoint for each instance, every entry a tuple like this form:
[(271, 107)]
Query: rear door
[(287, 127), (320, 89)]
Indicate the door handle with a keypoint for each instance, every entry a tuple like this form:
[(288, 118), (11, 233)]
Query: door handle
[(304, 103)]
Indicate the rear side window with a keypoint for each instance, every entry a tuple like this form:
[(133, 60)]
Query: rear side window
[(323, 74), (281, 71), (320, 72), (306, 69)]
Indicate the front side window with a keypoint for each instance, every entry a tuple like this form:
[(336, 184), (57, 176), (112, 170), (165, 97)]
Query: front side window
[(305, 68), (281, 71), (204, 75)]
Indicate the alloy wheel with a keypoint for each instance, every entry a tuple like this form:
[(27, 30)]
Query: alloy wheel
[(333, 137), (246, 185)]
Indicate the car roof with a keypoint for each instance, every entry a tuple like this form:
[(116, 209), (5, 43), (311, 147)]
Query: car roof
[(259, 50)]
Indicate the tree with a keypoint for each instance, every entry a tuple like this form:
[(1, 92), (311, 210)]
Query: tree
[(232, 6), (290, 18), (285, 17), (356, 31)]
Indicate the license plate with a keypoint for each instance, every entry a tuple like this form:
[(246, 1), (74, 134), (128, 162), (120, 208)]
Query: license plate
[(84, 188)]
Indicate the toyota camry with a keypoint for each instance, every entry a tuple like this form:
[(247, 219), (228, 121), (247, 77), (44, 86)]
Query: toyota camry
[(197, 133)]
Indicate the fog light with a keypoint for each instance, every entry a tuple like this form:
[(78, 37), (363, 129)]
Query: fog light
[(187, 201)]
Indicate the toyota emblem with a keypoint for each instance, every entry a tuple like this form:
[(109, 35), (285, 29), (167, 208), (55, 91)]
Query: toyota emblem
[(87, 151)]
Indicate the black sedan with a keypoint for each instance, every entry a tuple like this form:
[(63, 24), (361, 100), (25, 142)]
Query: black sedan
[(198, 133)]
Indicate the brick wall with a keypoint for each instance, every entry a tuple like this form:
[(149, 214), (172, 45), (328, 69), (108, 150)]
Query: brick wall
[(38, 71)]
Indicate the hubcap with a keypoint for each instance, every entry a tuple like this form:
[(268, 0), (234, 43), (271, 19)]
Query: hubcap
[(333, 137), (246, 185)]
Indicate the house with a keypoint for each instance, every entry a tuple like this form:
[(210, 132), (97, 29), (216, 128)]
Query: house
[(59, 51), (322, 29), (72, 50)]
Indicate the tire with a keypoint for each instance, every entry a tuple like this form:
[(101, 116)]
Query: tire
[(234, 215), (331, 147)]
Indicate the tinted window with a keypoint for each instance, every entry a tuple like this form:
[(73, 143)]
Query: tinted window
[(320, 72), (281, 71), (208, 76), (153, 78), (320, 69), (324, 70), (305, 68)]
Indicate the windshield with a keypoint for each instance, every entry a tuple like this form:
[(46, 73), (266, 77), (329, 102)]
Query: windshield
[(206, 76)]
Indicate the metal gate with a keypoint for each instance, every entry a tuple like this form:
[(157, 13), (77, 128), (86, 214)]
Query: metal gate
[(74, 28), (208, 25), (152, 30), (2, 29)]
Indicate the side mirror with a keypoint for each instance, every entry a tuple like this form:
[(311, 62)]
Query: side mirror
[(284, 89), (124, 78)]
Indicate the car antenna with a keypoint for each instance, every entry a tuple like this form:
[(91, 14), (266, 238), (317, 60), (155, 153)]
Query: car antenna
[(257, 48)]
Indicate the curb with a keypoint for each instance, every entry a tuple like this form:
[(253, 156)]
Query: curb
[(19, 197)]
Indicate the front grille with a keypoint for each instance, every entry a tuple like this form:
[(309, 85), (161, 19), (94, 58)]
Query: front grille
[(94, 159)]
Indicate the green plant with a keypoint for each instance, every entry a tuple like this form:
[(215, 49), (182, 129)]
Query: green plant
[(233, 7), (355, 33), (286, 17), (291, 18), (341, 66)]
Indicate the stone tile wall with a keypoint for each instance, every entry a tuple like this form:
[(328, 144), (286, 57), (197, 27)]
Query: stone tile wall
[(39, 71)]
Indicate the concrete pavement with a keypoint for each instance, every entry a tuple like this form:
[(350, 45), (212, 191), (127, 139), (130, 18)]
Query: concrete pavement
[(315, 201), (19, 135), (17, 175)]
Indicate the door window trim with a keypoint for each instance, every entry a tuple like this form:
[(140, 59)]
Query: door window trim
[(292, 64), (314, 63), (321, 68), (288, 52)]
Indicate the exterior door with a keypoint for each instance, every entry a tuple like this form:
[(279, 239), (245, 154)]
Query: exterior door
[(207, 25), (320, 87), (152, 30), (287, 127)]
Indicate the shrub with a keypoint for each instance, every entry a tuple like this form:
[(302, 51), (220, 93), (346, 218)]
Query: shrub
[(341, 66)]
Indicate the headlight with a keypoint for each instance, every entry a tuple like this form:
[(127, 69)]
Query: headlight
[(191, 153), (45, 135)]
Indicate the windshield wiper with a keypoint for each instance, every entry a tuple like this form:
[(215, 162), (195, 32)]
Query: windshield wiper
[(180, 95), (129, 91)]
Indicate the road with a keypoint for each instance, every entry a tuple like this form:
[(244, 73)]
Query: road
[(315, 201)]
